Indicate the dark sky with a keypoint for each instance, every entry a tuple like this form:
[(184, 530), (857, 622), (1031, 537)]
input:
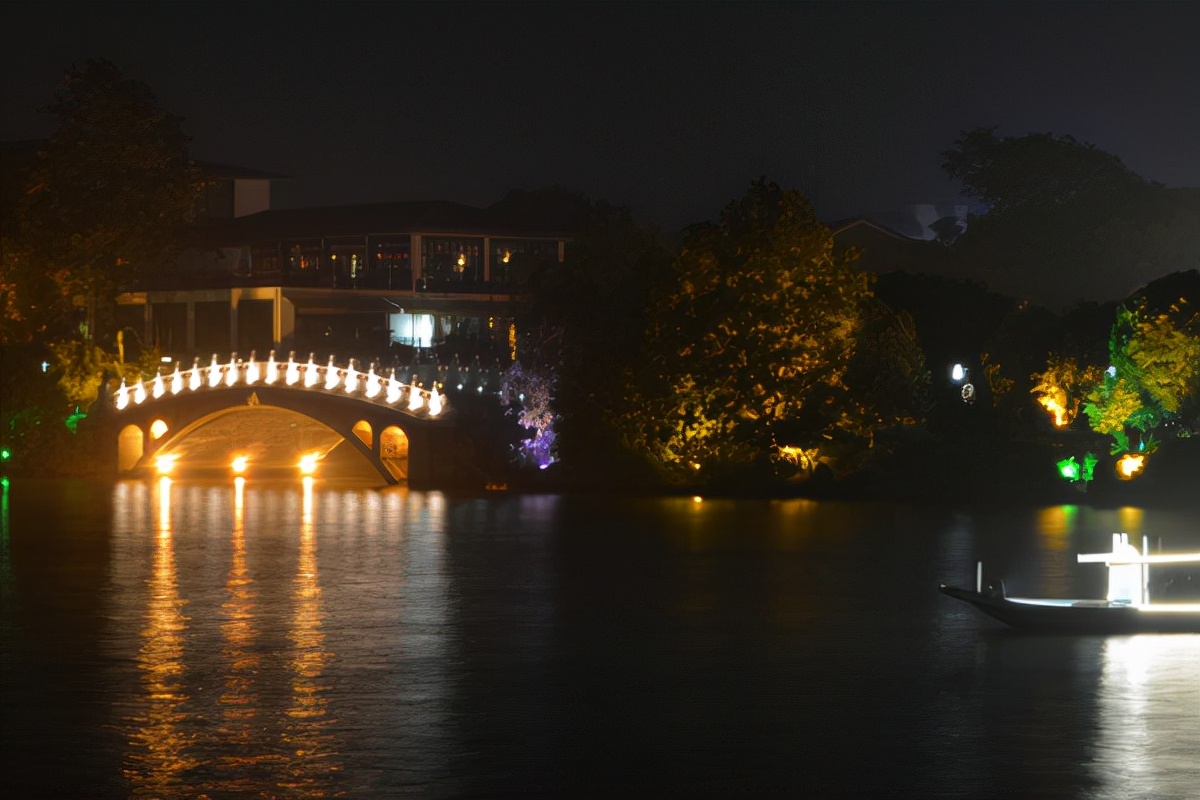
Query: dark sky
[(670, 108)]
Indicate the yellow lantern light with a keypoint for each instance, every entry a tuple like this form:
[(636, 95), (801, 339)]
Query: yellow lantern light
[(1130, 465)]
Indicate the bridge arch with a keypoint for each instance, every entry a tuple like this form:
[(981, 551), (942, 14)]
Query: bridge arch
[(131, 446), (399, 429)]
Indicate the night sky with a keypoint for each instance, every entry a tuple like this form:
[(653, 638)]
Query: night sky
[(672, 109)]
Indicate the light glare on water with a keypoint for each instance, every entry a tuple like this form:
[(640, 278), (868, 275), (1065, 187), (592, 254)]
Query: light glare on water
[(296, 639)]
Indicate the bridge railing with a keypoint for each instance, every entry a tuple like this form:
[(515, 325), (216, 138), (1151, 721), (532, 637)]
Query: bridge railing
[(387, 389)]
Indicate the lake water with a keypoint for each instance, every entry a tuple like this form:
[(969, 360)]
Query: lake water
[(188, 640)]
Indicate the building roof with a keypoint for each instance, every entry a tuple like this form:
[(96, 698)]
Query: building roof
[(844, 225), (406, 217), (214, 170)]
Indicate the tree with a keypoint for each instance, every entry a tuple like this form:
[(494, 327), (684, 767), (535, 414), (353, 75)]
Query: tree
[(584, 328), (746, 349), (1062, 387), (1154, 373), (1066, 221), (107, 203)]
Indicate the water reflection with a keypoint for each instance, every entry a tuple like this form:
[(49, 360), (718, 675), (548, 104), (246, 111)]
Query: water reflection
[(157, 757), (1149, 700), (1129, 521), (306, 733), (1055, 527), (239, 703)]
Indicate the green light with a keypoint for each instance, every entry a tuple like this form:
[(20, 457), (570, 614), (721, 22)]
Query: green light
[(73, 420), (1068, 469), (5, 454), (1089, 466)]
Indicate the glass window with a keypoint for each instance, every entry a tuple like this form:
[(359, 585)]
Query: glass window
[(514, 261), (446, 262), (390, 267)]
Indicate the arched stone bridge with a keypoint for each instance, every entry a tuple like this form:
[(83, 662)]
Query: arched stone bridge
[(401, 429)]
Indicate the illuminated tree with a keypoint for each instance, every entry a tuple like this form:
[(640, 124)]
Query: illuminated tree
[(585, 325), (108, 202), (747, 349), (1063, 386), (529, 392), (1155, 371)]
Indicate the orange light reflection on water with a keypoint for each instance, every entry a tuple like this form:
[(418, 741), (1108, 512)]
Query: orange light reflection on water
[(157, 757), (305, 736), (1055, 524)]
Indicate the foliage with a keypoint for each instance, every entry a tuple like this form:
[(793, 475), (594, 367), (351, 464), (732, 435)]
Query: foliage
[(998, 384), (529, 389), (1058, 209), (82, 366), (747, 349), (888, 368), (108, 202), (1155, 372), (585, 325), (1166, 359), (1035, 171), (1064, 385), (35, 417)]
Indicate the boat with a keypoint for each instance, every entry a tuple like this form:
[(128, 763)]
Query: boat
[(1127, 608)]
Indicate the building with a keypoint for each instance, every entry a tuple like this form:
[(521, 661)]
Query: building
[(375, 281)]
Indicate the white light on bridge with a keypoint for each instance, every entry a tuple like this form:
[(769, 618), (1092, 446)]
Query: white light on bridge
[(368, 386), (331, 376), (239, 464), (310, 373), (308, 463), (252, 371), (292, 375), (373, 384), (165, 464), (435, 402)]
